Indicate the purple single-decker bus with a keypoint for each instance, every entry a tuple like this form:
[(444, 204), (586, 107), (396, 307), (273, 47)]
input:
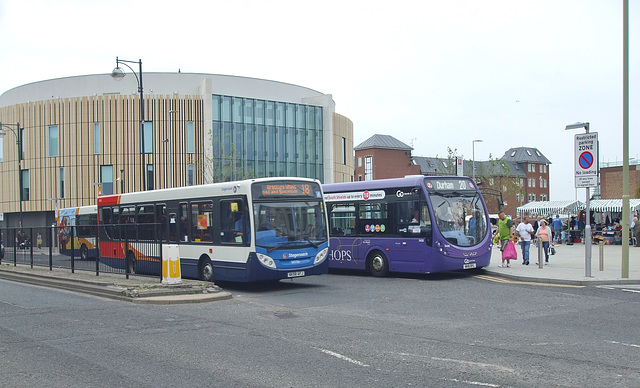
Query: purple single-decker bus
[(415, 224)]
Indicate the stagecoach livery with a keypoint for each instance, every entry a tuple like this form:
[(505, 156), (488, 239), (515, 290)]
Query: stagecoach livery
[(415, 224), (252, 230), (77, 231)]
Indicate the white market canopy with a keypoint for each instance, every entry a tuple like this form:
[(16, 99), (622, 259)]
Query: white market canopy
[(611, 205), (551, 207)]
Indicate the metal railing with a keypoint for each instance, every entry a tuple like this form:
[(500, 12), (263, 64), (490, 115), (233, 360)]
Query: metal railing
[(136, 250)]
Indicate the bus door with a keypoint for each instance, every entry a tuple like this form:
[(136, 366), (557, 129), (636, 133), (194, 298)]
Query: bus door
[(414, 244)]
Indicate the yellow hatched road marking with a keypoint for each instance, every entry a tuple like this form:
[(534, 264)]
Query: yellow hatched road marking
[(509, 281)]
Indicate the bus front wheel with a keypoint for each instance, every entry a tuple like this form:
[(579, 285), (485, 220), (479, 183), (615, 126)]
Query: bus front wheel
[(205, 270), (378, 264)]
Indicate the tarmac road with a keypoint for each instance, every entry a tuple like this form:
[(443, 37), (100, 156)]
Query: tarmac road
[(568, 266)]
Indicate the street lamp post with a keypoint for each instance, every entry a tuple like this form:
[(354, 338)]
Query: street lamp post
[(16, 133), (118, 74), (587, 224), (473, 162)]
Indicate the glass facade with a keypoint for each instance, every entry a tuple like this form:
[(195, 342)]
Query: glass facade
[(262, 138)]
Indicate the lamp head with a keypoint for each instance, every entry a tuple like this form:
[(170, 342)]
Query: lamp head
[(577, 125), (117, 73)]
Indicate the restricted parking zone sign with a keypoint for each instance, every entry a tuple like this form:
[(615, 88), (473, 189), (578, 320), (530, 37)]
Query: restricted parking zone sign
[(586, 160)]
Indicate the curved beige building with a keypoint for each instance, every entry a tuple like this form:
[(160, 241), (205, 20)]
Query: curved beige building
[(82, 136)]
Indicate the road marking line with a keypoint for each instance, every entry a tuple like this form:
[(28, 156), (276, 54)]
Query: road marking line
[(345, 358), (479, 364), (508, 281), (627, 290), (623, 344), (472, 382)]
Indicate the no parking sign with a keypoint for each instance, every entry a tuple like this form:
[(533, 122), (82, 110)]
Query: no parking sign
[(586, 160)]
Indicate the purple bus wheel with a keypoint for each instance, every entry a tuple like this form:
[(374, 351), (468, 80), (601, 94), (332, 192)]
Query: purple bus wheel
[(378, 264)]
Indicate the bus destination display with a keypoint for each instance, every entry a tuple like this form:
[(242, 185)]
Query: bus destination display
[(449, 184), (287, 190)]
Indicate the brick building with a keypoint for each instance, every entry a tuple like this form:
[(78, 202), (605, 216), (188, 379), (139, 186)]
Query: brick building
[(519, 177), (611, 180)]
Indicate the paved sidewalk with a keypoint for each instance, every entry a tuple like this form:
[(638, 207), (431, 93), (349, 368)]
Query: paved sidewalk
[(568, 266), (136, 289)]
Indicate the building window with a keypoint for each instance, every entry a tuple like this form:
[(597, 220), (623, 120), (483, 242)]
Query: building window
[(190, 175), (150, 183), (24, 185), (541, 182), (545, 168), (23, 142), (53, 140), (191, 139), (491, 181), (359, 178), (61, 183), (359, 161), (106, 178), (344, 151), (368, 168), (148, 137), (96, 138)]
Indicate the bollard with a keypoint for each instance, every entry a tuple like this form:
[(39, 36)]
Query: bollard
[(601, 244), (171, 264), (540, 255)]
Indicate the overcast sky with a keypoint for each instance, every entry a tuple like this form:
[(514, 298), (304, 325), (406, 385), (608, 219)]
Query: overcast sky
[(433, 74)]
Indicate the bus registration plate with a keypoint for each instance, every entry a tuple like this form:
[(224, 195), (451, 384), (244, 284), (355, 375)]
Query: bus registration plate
[(469, 266), (295, 274)]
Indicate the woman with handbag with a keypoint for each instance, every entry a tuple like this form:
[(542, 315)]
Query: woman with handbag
[(544, 234), (505, 231)]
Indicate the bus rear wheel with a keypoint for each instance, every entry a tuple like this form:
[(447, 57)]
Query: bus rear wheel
[(205, 270), (84, 252), (378, 264)]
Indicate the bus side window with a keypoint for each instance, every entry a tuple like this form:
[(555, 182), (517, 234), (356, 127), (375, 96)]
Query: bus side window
[(173, 227), (426, 228), (202, 221), (343, 219), (184, 223), (234, 223), (161, 222)]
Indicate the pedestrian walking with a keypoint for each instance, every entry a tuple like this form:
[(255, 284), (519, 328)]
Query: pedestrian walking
[(545, 235), (525, 231), (505, 230), (636, 231), (557, 229)]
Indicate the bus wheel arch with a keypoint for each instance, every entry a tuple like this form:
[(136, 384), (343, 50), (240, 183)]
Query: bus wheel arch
[(205, 269), (377, 264)]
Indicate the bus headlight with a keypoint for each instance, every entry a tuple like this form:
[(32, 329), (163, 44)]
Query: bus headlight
[(321, 256), (267, 261)]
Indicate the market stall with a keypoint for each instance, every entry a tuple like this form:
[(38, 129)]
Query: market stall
[(606, 217)]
